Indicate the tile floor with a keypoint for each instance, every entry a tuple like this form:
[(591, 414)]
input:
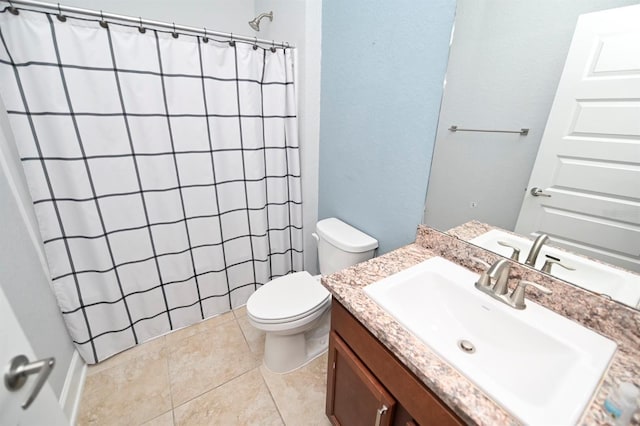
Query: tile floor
[(210, 373)]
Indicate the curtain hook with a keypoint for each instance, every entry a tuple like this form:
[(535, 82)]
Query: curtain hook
[(273, 46), (103, 23), (12, 9), (205, 39), (60, 16), (231, 42), (174, 34), (255, 43), (141, 28)]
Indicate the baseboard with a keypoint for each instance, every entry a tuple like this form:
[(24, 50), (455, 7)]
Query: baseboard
[(72, 388)]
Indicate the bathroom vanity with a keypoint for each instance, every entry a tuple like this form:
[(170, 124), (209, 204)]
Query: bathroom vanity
[(376, 363), (366, 383)]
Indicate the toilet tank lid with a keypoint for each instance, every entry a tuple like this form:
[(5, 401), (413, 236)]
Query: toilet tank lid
[(345, 236)]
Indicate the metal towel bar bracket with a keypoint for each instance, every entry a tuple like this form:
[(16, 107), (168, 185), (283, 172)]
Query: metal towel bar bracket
[(523, 132)]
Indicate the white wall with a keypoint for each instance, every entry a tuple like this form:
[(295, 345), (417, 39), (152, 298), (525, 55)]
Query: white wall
[(24, 276), (504, 67)]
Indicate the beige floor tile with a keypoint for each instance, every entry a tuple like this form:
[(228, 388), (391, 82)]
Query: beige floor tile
[(254, 337), (149, 347), (300, 395), (202, 326), (204, 361), (165, 419), (129, 393), (244, 400), (240, 312)]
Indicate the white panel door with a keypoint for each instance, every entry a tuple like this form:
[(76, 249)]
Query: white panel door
[(45, 409), (588, 163)]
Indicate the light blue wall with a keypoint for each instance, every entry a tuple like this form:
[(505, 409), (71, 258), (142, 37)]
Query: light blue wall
[(383, 67)]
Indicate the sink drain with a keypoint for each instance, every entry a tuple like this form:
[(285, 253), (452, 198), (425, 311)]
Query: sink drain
[(466, 346)]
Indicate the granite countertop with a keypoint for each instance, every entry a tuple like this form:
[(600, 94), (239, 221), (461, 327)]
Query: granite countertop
[(608, 318)]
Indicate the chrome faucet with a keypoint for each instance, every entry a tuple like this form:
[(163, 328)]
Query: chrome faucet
[(499, 272), (535, 249), (494, 282)]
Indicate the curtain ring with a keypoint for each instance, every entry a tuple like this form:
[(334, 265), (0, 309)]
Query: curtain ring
[(13, 10), (255, 44), (283, 45), (273, 46), (141, 28), (103, 23), (205, 39), (174, 34), (231, 42), (60, 16)]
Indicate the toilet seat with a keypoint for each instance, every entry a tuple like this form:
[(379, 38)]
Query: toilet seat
[(287, 299)]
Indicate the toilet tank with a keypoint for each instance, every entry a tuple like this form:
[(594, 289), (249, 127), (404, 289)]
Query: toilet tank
[(341, 245)]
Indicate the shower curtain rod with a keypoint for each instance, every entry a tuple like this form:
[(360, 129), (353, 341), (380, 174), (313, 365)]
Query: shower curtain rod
[(139, 21)]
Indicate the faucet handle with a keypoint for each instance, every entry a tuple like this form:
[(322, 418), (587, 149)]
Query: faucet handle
[(553, 261), (480, 261), (517, 296), (484, 280), (515, 254)]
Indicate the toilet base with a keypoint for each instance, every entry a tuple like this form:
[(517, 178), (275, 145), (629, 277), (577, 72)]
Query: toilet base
[(284, 353)]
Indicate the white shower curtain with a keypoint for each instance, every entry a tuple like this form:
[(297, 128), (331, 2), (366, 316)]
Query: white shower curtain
[(164, 171)]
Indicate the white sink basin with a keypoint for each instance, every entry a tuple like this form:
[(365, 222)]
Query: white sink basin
[(540, 366), (619, 285)]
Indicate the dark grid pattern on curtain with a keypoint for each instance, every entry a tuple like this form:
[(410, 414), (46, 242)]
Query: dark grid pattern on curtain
[(165, 177)]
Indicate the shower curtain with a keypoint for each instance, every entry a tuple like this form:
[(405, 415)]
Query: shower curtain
[(164, 171)]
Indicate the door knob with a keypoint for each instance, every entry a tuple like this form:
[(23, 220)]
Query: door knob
[(537, 192), (20, 368)]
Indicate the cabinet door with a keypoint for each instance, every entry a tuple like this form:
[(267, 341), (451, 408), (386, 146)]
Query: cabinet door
[(354, 395)]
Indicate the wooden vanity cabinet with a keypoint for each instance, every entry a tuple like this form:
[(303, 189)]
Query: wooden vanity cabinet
[(366, 381), (358, 397)]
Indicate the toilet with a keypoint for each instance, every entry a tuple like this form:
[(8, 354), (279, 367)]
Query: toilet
[(293, 310)]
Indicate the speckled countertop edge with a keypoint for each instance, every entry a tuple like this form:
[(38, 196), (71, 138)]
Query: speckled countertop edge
[(611, 319)]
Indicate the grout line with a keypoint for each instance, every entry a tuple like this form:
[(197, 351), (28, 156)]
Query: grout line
[(173, 404), (238, 316), (273, 399), (163, 351), (159, 415), (167, 358), (256, 352), (199, 324), (213, 388), (244, 336), (125, 357)]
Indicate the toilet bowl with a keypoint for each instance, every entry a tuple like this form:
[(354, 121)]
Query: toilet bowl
[(293, 310)]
